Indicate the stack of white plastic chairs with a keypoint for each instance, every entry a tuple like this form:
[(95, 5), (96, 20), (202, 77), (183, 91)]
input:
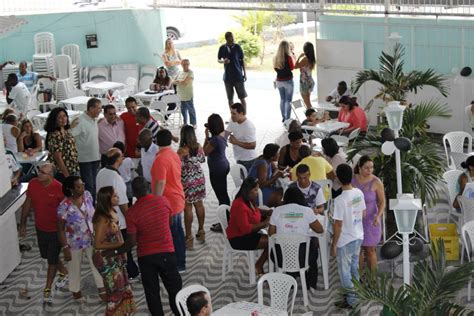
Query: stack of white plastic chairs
[(45, 50), (147, 75), (64, 76), (72, 50)]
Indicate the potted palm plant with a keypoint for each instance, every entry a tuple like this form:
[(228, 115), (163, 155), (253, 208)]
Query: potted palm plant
[(432, 292), (395, 83)]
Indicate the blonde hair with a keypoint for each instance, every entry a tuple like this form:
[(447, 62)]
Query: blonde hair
[(168, 48), (282, 54)]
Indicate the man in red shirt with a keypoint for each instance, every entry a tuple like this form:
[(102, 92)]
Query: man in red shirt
[(166, 181), (131, 127), (43, 195), (148, 225)]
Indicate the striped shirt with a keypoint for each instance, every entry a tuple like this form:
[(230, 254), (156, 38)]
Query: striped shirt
[(29, 79), (154, 127), (149, 220)]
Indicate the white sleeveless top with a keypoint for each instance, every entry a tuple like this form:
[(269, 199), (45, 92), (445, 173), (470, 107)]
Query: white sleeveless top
[(10, 140)]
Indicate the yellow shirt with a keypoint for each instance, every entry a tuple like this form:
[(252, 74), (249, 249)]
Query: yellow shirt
[(318, 167)]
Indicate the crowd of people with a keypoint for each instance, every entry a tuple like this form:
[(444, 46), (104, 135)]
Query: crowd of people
[(116, 182)]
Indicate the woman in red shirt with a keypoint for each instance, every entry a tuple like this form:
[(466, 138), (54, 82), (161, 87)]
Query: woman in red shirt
[(284, 63), (246, 221), (351, 113)]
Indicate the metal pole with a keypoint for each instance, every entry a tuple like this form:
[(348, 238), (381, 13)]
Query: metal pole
[(406, 259), (398, 167), (305, 21)]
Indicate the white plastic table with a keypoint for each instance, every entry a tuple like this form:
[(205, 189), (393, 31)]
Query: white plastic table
[(72, 103), (102, 86), (246, 308), (327, 127), (147, 97), (71, 113), (34, 160), (326, 106)]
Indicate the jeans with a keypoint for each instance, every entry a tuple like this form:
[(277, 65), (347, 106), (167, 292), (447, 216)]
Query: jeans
[(178, 240), (218, 179), (188, 107), (286, 96), (88, 175), (348, 266), (154, 267), (132, 268)]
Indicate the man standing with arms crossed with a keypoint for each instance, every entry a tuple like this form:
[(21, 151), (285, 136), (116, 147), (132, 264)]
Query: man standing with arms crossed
[(232, 56)]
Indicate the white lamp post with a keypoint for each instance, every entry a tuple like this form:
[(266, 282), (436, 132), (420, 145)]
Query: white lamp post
[(394, 113), (405, 208)]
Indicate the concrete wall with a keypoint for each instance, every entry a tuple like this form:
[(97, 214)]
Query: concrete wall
[(124, 36)]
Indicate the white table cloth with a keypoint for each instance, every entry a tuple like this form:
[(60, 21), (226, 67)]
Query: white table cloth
[(34, 160), (246, 309), (327, 127)]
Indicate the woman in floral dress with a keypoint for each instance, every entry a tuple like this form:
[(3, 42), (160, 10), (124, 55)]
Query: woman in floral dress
[(75, 231), (61, 144), (305, 63), (194, 184), (112, 268)]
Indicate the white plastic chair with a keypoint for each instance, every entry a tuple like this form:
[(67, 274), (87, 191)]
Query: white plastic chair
[(183, 295), (98, 74), (324, 238), (161, 108), (280, 285), (37, 123), (457, 159), (173, 98), (295, 105), (238, 173), (147, 74), (290, 246), (131, 85), (44, 43), (456, 141), (451, 177), (467, 232), (343, 141), (229, 251), (73, 51)]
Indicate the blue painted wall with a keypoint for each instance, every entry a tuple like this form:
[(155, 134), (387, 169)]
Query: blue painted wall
[(429, 43), (124, 36)]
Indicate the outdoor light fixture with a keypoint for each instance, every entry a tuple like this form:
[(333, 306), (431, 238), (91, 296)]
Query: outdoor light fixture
[(405, 208), (394, 113)]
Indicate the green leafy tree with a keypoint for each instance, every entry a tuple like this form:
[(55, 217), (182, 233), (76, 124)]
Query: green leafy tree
[(249, 42)]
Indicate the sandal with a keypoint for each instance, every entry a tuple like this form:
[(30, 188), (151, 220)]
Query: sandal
[(216, 228), (189, 243), (201, 235)]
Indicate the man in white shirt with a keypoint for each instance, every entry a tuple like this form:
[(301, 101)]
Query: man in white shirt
[(148, 152), (242, 136), (349, 209), (109, 176), (295, 217), (86, 133), (17, 95), (339, 92)]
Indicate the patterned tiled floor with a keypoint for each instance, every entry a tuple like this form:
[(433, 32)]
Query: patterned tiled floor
[(205, 262)]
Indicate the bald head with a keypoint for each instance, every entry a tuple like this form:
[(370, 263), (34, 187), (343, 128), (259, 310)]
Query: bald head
[(114, 156)]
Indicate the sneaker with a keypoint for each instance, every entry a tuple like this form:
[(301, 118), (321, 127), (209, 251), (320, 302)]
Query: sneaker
[(25, 247), (47, 297), (136, 279), (62, 280), (181, 270)]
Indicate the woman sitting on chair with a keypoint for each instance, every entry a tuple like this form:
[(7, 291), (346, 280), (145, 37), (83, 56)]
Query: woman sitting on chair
[(29, 141), (465, 178), (246, 221), (351, 113), (162, 81), (265, 170)]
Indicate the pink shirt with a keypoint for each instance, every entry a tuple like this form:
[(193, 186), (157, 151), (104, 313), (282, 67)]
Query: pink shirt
[(109, 134)]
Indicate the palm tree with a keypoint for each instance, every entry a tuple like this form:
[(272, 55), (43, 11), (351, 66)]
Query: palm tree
[(421, 167), (395, 83), (431, 293)]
